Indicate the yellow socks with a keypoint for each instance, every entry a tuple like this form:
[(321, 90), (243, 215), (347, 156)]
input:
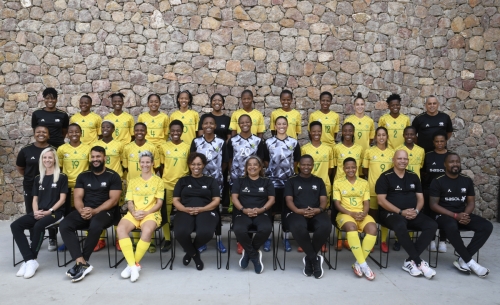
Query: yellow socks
[(384, 232), (368, 243), (127, 250), (355, 244), (103, 234), (140, 250)]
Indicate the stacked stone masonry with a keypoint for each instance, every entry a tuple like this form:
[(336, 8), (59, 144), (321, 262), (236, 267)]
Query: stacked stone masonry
[(449, 48)]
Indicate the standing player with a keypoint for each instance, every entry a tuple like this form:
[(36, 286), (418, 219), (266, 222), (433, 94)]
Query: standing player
[(453, 200), (174, 155), (156, 121), (394, 121), (223, 121), (215, 150), (416, 154), (376, 160), (365, 127), (114, 151), (329, 119), (351, 197), (90, 122), (186, 115), (293, 116), (281, 155), (124, 122), (258, 126), (55, 120), (428, 123)]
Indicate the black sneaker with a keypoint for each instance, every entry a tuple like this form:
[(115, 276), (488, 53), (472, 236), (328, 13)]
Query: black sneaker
[(166, 246), (186, 259), (72, 272), (318, 267), (244, 260), (308, 267), (198, 261), (396, 246), (257, 263), (83, 270)]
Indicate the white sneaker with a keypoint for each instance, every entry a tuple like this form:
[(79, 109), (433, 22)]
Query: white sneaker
[(411, 268), (356, 268), (126, 272), (432, 246), (134, 273), (461, 265), (31, 267), (428, 272), (52, 245), (22, 270), (479, 270), (442, 247), (367, 271)]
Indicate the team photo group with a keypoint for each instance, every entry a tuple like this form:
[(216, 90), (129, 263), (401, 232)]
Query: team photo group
[(350, 179)]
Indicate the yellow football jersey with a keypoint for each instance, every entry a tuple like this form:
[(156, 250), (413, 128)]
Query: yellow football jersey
[(330, 122), (174, 159), (130, 158), (395, 127), (124, 126), (376, 161), (190, 119), (73, 160), (364, 130), (145, 192), (351, 196), (90, 124), (294, 121), (342, 152), (114, 151), (416, 158), (157, 127), (257, 121), (323, 161)]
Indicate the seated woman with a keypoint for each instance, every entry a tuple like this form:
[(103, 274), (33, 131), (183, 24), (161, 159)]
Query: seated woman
[(252, 196), (351, 196), (49, 194), (195, 197), (144, 199)]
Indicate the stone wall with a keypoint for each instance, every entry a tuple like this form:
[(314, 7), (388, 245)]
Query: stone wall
[(415, 48)]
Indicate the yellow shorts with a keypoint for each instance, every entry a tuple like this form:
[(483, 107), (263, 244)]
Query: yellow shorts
[(343, 218), (373, 203), (156, 217)]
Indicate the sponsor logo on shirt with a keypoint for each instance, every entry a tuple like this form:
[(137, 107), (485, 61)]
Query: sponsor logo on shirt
[(441, 124), (463, 190), (246, 190), (203, 186), (344, 192), (66, 155), (54, 185), (299, 188), (412, 186), (433, 163), (462, 199), (449, 191), (89, 185), (57, 120), (189, 186), (314, 187), (103, 184), (261, 189), (399, 188), (222, 126), (426, 125), (436, 170), (33, 158), (40, 188), (42, 120)]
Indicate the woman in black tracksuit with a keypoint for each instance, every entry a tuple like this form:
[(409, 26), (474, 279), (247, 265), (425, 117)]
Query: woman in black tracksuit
[(252, 196), (195, 197)]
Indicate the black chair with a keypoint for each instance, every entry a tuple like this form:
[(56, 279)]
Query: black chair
[(455, 252), (336, 237), (251, 231), (277, 261), (173, 249), (158, 237)]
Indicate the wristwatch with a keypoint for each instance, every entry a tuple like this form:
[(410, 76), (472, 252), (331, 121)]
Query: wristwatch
[(416, 210), (51, 210), (321, 210), (400, 212)]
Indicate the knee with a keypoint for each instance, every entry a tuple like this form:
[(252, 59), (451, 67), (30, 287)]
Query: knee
[(399, 226), (65, 226), (205, 233), (371, 229), (487, 227)]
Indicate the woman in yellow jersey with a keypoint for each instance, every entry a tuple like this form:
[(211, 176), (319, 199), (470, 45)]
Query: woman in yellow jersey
[(365, 128), (416, 154), (329, 119), (73, 159), (293, 116), (124, 122), (156, 121), (394, 121), (351, 196), (144, 199), (376, 160), (89, 122), (173, 156), (131, 151), (114, 151), (345, 149), (258, 126), (188, 117)]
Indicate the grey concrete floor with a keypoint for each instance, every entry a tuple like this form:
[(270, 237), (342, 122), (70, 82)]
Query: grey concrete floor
[(186, 285)]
